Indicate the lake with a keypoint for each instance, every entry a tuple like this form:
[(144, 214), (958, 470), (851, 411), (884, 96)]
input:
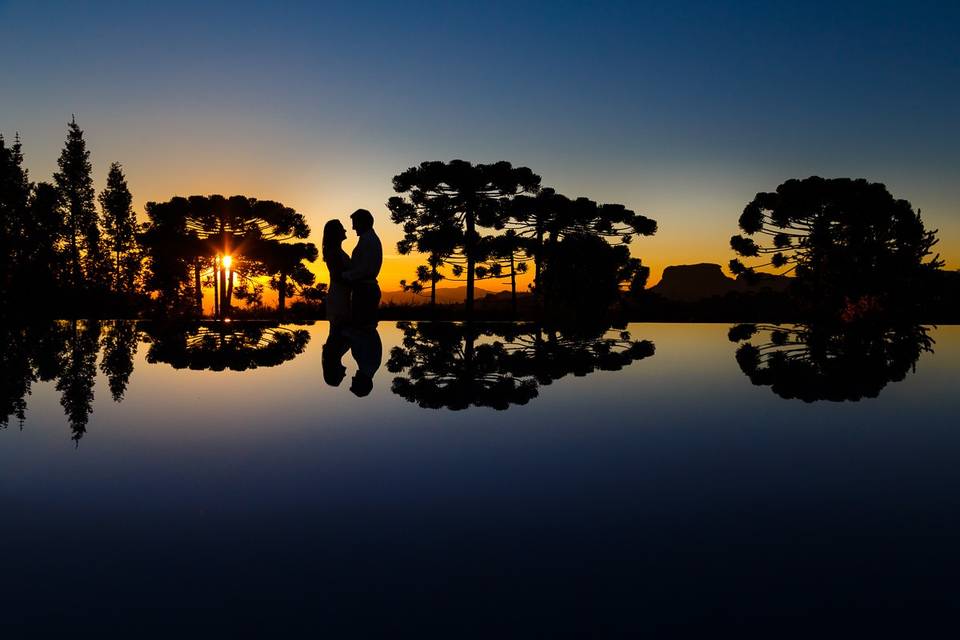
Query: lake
[(486, 480)]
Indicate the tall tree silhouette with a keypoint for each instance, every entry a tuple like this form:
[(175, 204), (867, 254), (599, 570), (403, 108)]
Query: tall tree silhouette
[(14, 215), (829, 361), (41, 259), (120, 341), (841, 237), (120, 229), (458, 197), (88, 266)]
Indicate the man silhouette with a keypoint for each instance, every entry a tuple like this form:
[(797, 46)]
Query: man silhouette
[(364, 268)]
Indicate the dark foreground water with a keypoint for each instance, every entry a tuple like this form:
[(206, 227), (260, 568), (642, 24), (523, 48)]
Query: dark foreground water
[(494, 481)]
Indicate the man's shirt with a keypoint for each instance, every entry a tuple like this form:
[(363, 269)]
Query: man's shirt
[(366, 260)]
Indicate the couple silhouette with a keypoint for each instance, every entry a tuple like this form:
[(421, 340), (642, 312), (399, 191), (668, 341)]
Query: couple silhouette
[(354, 294), (352, 302)]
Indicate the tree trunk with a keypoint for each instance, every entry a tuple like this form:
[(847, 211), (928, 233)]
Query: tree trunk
[(223, 289), (547, 249), (74, 258), (469, 248), (216, 288), (282, 293), (198, 291), (513, 285), (537, 260), (230, 290)]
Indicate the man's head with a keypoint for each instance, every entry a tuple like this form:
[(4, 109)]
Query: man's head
[(362, 220)]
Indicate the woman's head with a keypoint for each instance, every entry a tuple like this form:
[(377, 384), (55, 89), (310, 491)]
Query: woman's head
[(333, 235)]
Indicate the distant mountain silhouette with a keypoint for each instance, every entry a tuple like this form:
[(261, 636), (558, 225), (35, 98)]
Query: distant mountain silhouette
[(445, 295), (691, 282)]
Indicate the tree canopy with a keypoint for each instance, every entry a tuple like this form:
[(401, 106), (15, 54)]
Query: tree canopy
[(221, 239), (445, 203), (841, 237)]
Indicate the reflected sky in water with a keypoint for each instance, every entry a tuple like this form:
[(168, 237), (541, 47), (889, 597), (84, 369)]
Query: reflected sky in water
[(668, 491)]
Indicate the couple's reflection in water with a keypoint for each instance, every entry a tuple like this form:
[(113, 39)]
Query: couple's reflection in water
[(367, 350), (833, 362), (435, 365)]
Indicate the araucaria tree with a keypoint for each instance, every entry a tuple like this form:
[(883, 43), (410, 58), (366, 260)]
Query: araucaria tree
[(543, 220), (227, 243), (843, 238), (88, 265), (455, 200), (120, 228)]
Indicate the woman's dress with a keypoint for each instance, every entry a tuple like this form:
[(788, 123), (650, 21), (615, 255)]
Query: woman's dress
[(338, 295)]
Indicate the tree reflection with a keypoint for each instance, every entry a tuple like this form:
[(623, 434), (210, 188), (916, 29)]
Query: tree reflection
[(218, 346), (75, 383), (65, 353), (120, 341), (16, 375), (829, 362), (31, 354), (457, 366)]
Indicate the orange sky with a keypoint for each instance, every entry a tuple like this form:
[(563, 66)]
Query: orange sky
[(693, 226), (696, 205)]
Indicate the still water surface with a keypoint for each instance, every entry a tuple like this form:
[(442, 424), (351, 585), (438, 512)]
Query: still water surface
[(505, 478)]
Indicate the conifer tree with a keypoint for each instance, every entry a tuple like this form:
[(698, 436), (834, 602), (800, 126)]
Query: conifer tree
[(86, 257), (119, 229), (14, 197)]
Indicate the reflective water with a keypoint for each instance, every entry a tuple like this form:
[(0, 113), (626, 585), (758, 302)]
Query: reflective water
[(475, 481)]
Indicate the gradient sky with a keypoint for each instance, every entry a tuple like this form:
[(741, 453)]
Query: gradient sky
[(681, 111)]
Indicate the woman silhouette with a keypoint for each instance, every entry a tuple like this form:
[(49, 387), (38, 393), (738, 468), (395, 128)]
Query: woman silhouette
[(337, 261)]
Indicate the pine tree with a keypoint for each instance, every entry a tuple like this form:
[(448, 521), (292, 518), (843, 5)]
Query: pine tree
[(14, 197), (119, 227), (74, 181)]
